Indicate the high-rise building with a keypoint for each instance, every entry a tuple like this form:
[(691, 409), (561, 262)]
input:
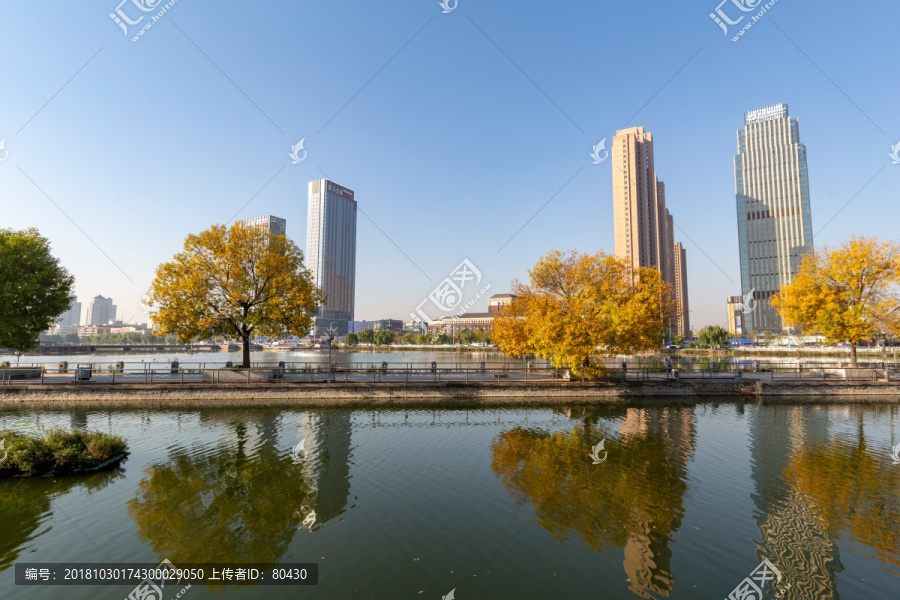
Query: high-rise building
[(644, 227), (771, 184), (272, 224), (331, 252), (100, 311), (70, 318), (682, 308)]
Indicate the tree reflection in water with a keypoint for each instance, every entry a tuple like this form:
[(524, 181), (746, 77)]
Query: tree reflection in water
[(224, 506), (26, 503), (852, 489), (633, 501)]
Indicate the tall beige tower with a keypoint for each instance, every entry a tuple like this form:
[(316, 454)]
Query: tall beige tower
[(644, 227), (635, 191), (682, 308)]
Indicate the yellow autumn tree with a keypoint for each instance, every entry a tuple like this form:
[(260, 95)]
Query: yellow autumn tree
[(847, 294), (240, 281), (578, 308)]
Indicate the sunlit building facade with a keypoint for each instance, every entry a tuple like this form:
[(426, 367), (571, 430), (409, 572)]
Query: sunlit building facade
[(331, 253), (771, 184)]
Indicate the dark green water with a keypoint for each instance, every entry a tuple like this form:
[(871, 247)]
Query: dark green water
[(491, 504)]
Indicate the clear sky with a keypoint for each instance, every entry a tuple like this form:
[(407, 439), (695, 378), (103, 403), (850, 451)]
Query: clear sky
[(453, 129)]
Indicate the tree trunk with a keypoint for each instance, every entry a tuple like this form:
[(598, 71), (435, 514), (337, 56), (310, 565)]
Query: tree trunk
[(853, 354), (246, 338)]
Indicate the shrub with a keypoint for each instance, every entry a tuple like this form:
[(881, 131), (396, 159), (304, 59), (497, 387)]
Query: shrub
[(57, 452)]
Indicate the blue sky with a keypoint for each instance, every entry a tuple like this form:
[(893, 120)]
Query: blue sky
[(454, 129)]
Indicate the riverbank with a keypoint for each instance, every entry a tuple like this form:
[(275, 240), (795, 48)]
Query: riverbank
[(442, 394)]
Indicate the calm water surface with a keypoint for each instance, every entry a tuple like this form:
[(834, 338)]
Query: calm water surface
[(492, 503)]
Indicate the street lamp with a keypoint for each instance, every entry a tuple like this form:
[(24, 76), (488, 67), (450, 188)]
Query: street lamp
[(331, 332)]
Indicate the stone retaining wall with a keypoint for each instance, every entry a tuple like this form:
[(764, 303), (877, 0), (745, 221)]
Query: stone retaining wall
[(448, 394)]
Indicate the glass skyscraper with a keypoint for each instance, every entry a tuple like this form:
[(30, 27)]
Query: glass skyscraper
[(771, 184), (272, 224), (331, 252)]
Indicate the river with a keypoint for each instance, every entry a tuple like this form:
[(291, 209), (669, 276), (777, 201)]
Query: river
[(684, 501)]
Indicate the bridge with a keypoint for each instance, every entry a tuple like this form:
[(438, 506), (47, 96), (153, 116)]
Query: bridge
[(67, 349)]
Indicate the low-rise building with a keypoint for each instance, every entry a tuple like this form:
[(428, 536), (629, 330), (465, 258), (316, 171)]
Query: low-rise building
[(394, 325), (736, 315), (498, 301), (91, 330), (455, 325)]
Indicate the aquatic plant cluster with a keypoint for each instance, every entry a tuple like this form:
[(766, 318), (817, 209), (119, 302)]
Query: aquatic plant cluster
[(57, 452)]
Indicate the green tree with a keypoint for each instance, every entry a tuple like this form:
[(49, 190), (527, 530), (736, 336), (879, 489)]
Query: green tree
[(34, 288), (467, 337), (240, 281), (72, 338), (383, 337), (408, 338), (713, 336), (351, 339), (366, 336)]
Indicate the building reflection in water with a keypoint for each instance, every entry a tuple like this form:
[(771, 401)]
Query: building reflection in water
[(816, 481), (327, 466), (634, 501)]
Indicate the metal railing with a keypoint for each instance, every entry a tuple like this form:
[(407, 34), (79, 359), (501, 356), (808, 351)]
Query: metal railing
[(282, 372)]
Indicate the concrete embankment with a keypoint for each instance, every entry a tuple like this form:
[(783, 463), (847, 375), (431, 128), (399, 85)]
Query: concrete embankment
[(448, 394)]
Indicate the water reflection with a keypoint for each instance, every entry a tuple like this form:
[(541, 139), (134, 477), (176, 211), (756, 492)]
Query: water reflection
[(634, 501), (26, 503), (244, 499)]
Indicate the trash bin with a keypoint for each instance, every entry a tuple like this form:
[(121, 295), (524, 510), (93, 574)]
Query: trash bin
[(120, 366), (174, 370), (483, 368), (434, 366), (384, 366), (83, 372), (63, 366), (228, 364)]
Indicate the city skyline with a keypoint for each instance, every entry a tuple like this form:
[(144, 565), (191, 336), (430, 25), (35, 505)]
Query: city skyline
[(484, 155)]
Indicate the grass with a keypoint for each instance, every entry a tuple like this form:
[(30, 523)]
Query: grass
[(57, 452)]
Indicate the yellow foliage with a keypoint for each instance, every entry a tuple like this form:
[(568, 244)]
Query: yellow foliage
[(579, 307), (845, 294), (240, 281)]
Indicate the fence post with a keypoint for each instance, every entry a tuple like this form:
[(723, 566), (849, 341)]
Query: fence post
[(113, 379)]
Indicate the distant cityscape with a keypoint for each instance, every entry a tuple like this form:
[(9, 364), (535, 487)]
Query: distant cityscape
[(774, 219)]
